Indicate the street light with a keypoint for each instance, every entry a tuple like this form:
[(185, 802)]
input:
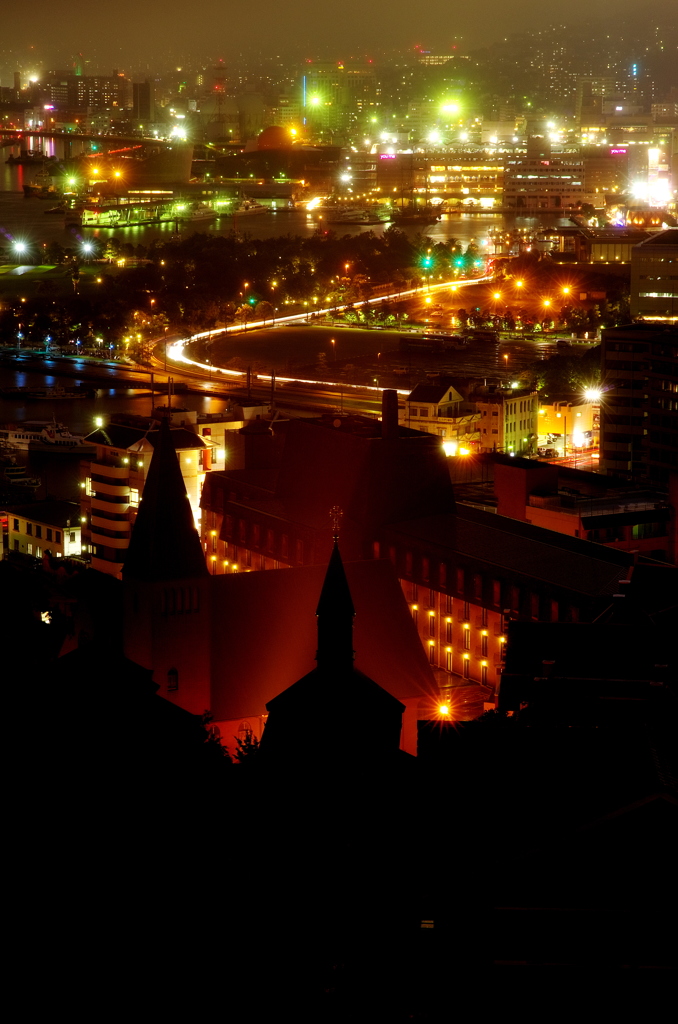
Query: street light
[(20, 248)]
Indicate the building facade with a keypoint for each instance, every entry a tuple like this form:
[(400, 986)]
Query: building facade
[(509, 419), (45, 528), (639, 403), (654, 277), (540, 180), (464, 572), (485, 418), (441, 410), (113, 481)]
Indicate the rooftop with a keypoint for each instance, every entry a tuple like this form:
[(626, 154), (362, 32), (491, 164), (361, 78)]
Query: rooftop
[(123, 436), (522, 549), (51, 512), (667, 237), (434, 393)]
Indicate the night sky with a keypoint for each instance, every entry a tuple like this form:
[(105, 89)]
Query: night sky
[(159, 33)]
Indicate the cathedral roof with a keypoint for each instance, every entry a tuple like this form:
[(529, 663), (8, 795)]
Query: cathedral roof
[(335, 596), (354, 716), (164, 544), (279, 604)]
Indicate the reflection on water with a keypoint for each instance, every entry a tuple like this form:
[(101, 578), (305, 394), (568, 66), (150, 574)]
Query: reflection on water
[(60, 474), (79, 413), (26, 218)]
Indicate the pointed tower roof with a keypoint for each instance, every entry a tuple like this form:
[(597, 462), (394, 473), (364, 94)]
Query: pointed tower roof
[(164, 544), (335, 614), (352, 712)]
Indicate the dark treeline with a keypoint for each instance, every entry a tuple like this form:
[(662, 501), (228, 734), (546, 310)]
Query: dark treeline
[(206, 281)]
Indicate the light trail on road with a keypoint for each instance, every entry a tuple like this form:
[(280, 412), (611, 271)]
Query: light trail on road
[(177, 353)]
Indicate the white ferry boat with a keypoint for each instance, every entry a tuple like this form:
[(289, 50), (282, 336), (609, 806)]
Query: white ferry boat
[(244, 208), (44, 436)]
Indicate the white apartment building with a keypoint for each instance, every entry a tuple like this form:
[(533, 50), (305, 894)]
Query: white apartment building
[(45, 528), (539, 180)]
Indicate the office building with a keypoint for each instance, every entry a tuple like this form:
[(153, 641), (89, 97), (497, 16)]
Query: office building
[(639, 402), (654, 277), (540, 180)]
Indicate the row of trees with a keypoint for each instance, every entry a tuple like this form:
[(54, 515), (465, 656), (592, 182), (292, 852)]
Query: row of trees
[(562, 373), (207, 281), (574, 318)]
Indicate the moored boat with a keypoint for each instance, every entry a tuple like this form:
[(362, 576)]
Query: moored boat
[(56, 391), (357, 216), (429, 215), (199, 212), (17, 475), (244, 208), (44, 436)]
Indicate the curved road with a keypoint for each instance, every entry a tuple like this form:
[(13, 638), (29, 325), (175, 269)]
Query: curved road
[(363, 398)]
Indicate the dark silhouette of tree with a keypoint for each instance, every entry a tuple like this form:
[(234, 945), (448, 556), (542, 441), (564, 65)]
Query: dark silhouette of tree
[(246, 748), (213, 737)]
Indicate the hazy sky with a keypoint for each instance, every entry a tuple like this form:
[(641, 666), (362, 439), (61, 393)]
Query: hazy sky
[(127, 31)]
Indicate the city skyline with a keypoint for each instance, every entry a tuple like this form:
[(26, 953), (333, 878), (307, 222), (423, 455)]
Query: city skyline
[(139, 38)]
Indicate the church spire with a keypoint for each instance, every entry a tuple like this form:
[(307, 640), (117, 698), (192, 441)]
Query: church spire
[(164, 544), (335, 613)]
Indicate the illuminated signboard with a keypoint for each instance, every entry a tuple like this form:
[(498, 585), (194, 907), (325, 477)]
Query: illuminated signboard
[(387, 156), (618, 152)]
